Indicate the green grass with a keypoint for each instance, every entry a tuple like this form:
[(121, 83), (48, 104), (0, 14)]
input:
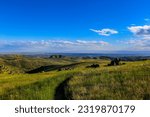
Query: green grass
[(37, 87), (20, 64), (129, 81)]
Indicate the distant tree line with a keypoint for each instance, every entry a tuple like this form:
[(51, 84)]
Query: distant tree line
[(57, 56)]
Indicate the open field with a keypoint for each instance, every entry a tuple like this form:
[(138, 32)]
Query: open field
[(27, 78)]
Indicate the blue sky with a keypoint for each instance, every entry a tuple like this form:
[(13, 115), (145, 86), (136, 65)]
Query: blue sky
[(74, 25)]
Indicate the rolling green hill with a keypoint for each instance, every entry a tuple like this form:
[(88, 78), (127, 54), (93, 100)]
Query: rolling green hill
[(27, 78)]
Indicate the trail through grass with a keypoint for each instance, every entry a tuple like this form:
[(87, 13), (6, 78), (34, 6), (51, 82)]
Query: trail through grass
[(37, 89), (128, 81)]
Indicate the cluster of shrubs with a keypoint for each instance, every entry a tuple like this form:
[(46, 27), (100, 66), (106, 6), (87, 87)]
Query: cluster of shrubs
[(114, 62), (57, 56), (65, 68), (93, 66)]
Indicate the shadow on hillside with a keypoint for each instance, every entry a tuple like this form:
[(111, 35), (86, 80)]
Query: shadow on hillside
[(44, 69), (53, 67)]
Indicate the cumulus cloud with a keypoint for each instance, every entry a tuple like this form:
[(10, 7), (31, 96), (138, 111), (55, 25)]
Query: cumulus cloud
[(105, 32), (52, 46), (140, 30)]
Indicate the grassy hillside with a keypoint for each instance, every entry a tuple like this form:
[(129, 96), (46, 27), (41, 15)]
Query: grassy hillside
[(130, 81), (35, 86), (21, 64), (69, 78)]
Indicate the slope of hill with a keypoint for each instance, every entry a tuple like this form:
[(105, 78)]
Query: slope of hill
[(21, 64), (127, 82), (72, 78)]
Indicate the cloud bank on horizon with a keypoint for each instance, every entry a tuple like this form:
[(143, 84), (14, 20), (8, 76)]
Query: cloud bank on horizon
[(53, 46), (74, 26)]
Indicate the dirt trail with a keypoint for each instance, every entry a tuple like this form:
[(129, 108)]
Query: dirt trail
[(60, 91)]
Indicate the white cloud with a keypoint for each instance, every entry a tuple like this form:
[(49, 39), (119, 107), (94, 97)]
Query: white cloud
[(92, 42), (140, 30), (105, 32), (141, 41), (52, 46)]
